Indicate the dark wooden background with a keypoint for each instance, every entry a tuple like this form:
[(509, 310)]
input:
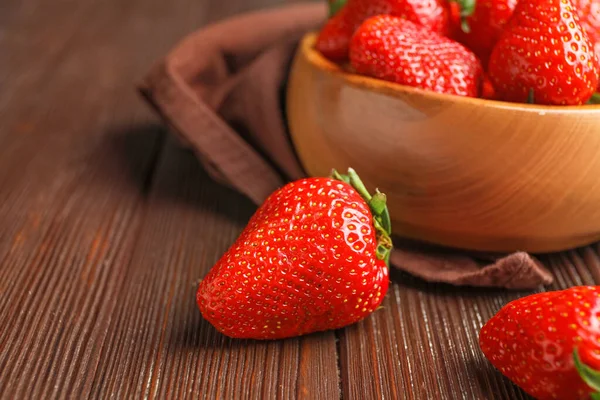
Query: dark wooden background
[(106, 225)]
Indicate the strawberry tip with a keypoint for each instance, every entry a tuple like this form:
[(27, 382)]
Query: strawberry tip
[(378, 206), (589, 375)]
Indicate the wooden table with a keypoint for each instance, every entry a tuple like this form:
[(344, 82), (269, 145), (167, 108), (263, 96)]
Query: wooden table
[(107, 224)]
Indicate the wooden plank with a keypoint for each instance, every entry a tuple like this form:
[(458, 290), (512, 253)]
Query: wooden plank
[(78, 136), (97, 280), (77, 147), (161, 347)]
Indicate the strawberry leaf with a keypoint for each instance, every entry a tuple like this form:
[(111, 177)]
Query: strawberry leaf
[(385, 215), (340, 177), (377, 204), (464, 25), (358, 185), (595, 99), (335, 6), (588, 374), (467, 8)]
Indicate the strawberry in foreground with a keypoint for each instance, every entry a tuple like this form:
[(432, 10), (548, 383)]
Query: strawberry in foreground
[(544, 53), (335, 36), (313, 257), (396, 50), (548, 343)]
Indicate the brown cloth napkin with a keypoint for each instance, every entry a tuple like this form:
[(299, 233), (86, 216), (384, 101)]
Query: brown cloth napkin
[(222, 90)]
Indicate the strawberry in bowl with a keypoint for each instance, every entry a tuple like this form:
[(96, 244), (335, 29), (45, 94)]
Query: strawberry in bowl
[(488, 156), (518, 45), (545, 56), (335, 36), (397, 50)]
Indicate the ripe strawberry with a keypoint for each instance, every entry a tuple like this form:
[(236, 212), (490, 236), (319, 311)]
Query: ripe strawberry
[(536, 341), (335, 36), (483, 25), (312, 258), (545, 52), (487, 89), (396, 50), (589, 18), (454, 19)]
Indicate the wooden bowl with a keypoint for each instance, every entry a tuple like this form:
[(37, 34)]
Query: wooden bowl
[(460, 172)]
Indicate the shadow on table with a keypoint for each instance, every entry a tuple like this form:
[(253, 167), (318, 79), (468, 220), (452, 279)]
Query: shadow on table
[(404, 279), (136, 149), (196, 333), (492, 380), (171, 172), (154, 164), (193, 332)]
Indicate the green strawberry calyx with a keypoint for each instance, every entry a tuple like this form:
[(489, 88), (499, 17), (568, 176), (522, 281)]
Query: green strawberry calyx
[(467, 8), (335, 6), (589, 375), (377, 204), (595, 99)]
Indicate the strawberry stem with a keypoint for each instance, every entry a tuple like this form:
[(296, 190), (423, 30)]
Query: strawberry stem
[(588, 374), (464, 25), (377, 204), (531, 96)]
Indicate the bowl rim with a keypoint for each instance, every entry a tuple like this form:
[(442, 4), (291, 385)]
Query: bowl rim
[(397, 90)]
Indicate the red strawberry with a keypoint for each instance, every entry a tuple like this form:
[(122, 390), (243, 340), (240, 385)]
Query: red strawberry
[(312, 258), (487, 90), (589, 18), (545, 52), (396, 50), (456, 18), (335, 36), (483, 26), (532, 341)]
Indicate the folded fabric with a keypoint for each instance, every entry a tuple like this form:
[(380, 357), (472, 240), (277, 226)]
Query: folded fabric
[(222, 91)]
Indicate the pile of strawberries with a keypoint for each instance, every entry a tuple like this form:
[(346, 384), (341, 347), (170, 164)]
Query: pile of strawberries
[(527, 51)]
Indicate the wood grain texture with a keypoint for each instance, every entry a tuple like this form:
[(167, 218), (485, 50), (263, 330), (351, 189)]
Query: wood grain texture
[(166, 349), (78, 153), (423, 343), (107, 225)]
